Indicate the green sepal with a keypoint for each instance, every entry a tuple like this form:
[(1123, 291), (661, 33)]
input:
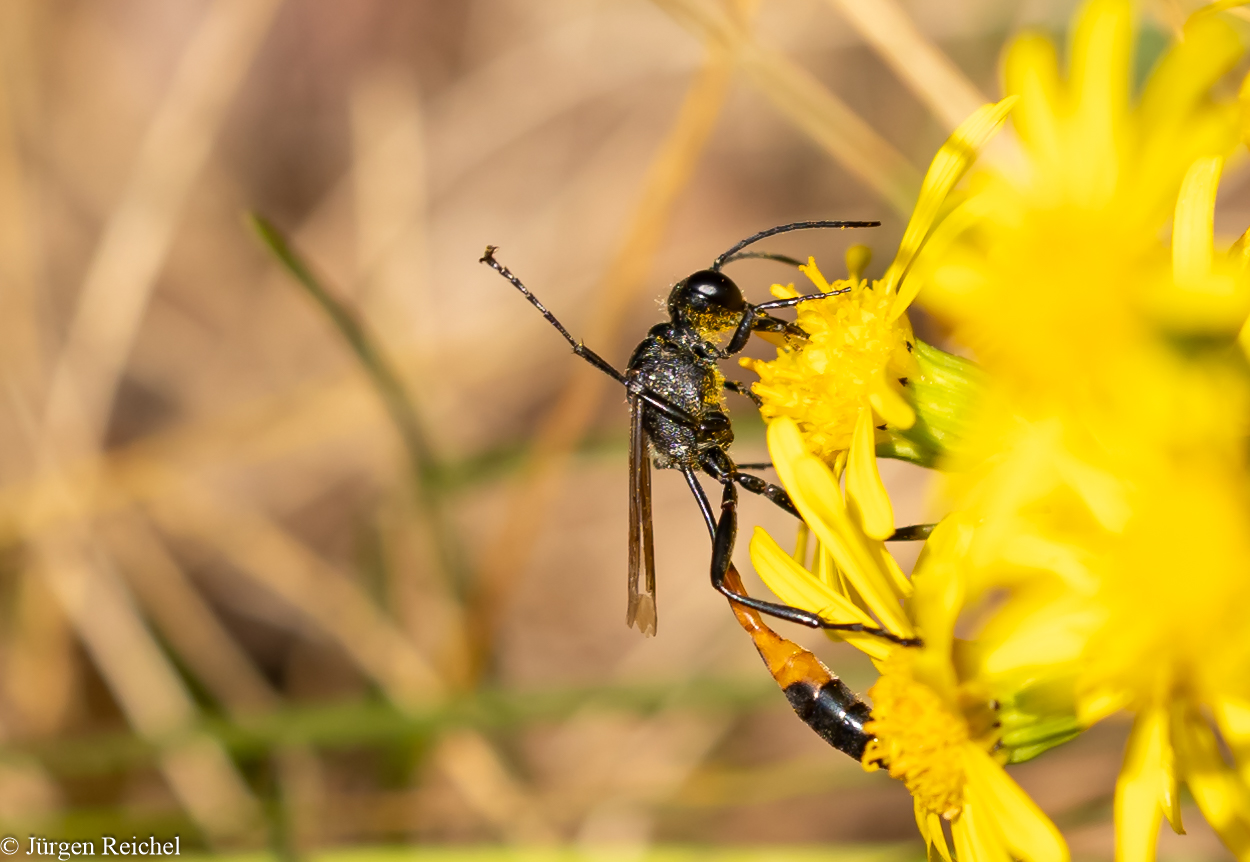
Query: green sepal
[(1028, 752), (945, 395), (1039, 716)]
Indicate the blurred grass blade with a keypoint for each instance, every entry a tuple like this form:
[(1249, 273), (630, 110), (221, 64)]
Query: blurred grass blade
[(304, 580), (487, 784), (919, 63), (145, 684), (344, 726), (383, 376), (185, 620), (137, 235), (387, 382), (807, 103)]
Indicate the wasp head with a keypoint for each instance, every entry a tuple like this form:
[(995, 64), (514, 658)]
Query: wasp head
[(708, 302)]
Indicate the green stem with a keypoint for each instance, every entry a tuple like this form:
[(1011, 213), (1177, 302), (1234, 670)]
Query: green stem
[(423, 463), (377, 723)]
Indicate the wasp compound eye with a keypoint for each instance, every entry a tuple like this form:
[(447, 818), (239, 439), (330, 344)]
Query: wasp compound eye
[(705, 291)]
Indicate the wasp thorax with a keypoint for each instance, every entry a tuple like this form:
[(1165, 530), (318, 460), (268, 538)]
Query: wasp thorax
[(708, 301)]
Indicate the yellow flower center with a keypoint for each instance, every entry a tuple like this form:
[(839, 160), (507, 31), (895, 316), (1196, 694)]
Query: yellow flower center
[(852, 350), (917, 738)]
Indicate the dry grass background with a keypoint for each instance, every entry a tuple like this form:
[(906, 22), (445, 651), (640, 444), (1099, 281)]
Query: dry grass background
[(239, 602)]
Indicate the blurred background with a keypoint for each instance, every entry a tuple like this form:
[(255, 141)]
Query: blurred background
[(292, 567)]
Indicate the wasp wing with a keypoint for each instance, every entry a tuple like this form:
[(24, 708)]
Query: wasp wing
[(641, 609)]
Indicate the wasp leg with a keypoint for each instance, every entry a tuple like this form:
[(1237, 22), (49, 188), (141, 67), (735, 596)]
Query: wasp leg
[(754, 320), (914, 533), (705, 507), (768, 323), (818, 697), (719, 467), (755, 465), (776, 493), (672, 411), (725, 533), (743, 389)]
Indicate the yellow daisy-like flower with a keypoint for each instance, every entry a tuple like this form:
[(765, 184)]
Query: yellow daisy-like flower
[(854, 354), (1107, 473), (860, 346), (1070, 241), (1141, 539), (934, 729)]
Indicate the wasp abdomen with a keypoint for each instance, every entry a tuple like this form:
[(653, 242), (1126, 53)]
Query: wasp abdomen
[(834, 712), (818, 697)]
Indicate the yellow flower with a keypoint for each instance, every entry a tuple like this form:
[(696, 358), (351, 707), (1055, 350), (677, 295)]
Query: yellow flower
[(1070, 241), (855, 354), (1107, 473), (860, 345), (936, 730)]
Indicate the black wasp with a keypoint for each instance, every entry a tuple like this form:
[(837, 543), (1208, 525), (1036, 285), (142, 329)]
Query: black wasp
[(676, 396)]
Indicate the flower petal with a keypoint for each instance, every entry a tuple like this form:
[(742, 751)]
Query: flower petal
[(796, 586), (816, 494), (1193, 229), (886, 561), (826, 571), (948, 166), (1217, 6), (1024, 828), (866, 496), (785, 445), (1099, 88), (1169, 784), (922, 820), (784, 291), (815, 276), (889, 402), (976, 838), (939, 582), (1220, 794), (1233, 717), (1028, 550), (1137, 809), (826, 514), (1031, 71), (1101, 492), (1243, 338), (1095, 705), (800, 544), (939, 837), (1048, 629), (857, 259), (1174, 103)]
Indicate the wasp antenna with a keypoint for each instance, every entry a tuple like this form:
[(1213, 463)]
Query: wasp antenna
[(489, 259), (578, 347), (786, 228), (762, 255)]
